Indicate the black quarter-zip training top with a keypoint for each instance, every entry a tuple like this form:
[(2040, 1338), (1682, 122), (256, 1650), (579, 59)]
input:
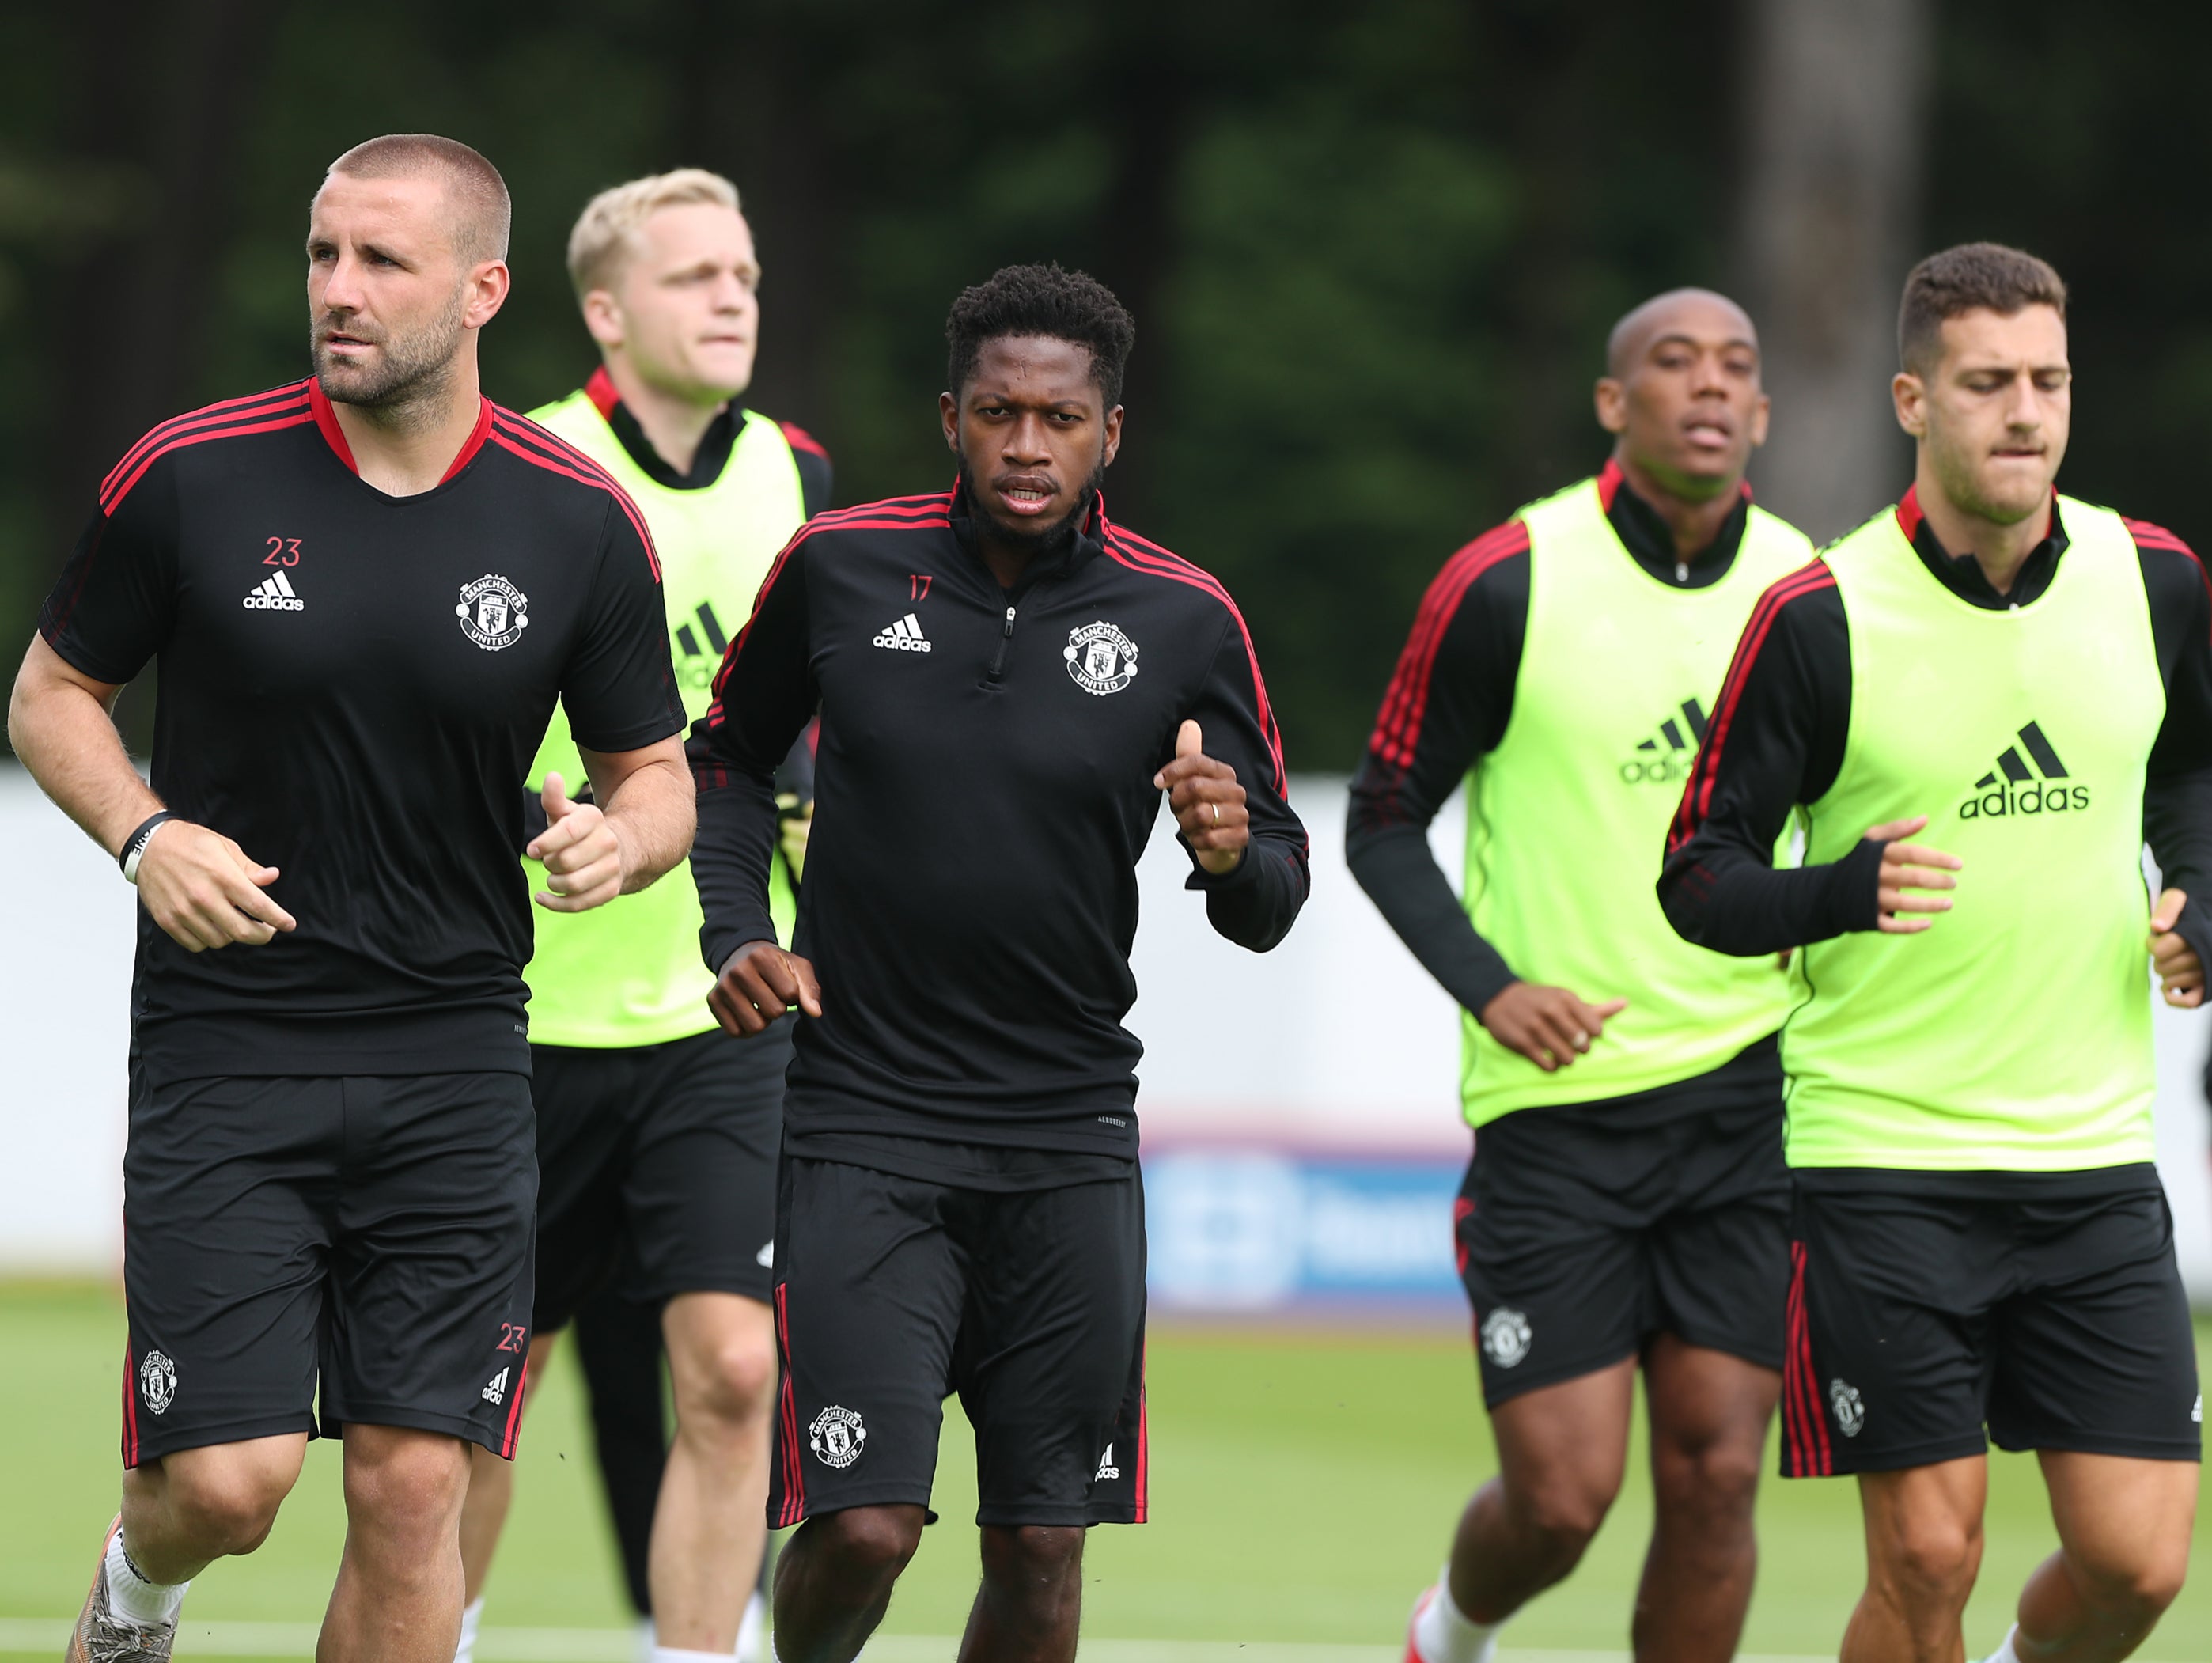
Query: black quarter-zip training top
[(983, 792)]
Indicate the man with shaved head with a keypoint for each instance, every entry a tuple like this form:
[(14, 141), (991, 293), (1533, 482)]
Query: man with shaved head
[(1627, 1202), (366, 591)]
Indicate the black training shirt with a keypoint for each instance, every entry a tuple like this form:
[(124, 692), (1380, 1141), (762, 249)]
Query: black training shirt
[(983, 791), (352, 688)]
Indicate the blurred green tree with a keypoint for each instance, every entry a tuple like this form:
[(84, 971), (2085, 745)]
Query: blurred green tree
[(1372, 250)]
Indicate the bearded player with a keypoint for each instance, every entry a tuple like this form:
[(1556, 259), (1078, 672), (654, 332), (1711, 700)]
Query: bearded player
[(366, 592)]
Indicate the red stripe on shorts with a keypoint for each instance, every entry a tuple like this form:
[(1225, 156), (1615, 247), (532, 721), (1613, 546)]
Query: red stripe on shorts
[(1805, 1431), (794, 1475)]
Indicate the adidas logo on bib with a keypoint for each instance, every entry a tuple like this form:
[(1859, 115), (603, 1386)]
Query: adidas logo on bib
[(1664, 759), (273, 594), (2023, 783), (904, 636)]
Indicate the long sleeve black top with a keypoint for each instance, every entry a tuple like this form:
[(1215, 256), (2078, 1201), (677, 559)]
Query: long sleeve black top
[(1458, 669), (1789, 699), (983, 792)]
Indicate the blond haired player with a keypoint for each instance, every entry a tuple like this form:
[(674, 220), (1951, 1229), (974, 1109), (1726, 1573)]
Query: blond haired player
[(657, 1133)]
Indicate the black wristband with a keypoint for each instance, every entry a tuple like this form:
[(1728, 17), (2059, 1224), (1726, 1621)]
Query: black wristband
[(136, 843)]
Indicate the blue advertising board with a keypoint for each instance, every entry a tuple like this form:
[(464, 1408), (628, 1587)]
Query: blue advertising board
[(1258, 1230)]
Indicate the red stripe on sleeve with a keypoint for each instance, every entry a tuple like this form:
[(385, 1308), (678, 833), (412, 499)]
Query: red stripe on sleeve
[(1698, 794), (1141, 555), (1398, 724), (863, 518), (227, 413), (799, 440), (293, 416), (575, 466), (2147, 536)]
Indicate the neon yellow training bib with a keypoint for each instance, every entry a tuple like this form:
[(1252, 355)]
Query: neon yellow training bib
[(2015, 1034), (1567, 818), (629, 973)]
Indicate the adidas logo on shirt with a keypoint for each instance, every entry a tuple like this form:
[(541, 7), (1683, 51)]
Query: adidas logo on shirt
[(2021, 784), (1664, 759), (495, 1393), (904, 636), (273, 595)]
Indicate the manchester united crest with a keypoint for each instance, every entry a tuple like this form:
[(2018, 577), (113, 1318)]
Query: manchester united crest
[(493, 612), (836, 1437), (1506, 1337), (157, 1381), (1101, 660)]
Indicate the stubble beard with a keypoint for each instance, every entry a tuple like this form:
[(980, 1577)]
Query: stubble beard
[(2007, 505), (411, 373)]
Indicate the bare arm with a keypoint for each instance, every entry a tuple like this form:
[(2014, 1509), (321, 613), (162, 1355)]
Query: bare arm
[(58, 722), (200, 887), (639, 827)]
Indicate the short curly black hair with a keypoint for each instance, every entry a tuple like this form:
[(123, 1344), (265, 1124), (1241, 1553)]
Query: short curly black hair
[(1043, 299)]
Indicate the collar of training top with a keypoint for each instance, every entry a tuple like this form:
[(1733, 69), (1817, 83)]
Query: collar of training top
[(1649, 540), (706, 462), (1962, 574), (1063, 555), (326, 423)]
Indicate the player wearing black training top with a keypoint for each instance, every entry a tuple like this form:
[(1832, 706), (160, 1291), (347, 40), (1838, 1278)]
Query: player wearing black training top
[(1007, 681), (366, 592)]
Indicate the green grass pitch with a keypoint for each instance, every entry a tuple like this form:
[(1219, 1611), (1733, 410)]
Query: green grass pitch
[(1304, 1485)]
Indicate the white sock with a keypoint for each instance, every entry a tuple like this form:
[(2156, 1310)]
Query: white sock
[(1443, 1634), (2005, 1653), (752, 1631), (471, 1616), (669, 1654), (134, 1599)]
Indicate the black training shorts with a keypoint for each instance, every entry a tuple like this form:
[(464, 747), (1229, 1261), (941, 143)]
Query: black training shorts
[(670, 1148), (369, 1233), (1580, 1237), (1918, 1319), (893, 1292)]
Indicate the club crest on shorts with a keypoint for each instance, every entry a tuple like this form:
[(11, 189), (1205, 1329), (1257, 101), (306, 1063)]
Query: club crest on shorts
[(157, 1381), (1849, 1408), (836, 1437), (1506, 1336), (493, 612), (1101, 660)]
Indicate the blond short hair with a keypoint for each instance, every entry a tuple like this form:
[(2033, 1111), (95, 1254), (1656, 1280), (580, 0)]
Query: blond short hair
[(602, 241)]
